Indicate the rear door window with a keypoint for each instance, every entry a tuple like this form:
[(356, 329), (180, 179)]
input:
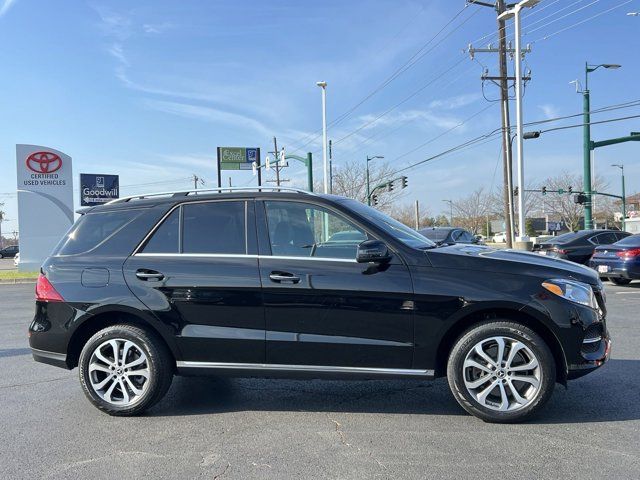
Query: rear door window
[(606, 238), (166, 238), (92, 229), (214, 228)]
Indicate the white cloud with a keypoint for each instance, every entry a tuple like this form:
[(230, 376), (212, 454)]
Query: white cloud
[(156, 28), (211, 115), (458, 101), (548, 110), (6, 5)]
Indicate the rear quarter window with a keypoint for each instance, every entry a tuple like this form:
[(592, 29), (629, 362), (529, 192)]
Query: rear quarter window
[(92, 229)]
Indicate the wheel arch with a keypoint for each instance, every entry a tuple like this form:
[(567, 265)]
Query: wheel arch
[(522, 316), (106, 318)]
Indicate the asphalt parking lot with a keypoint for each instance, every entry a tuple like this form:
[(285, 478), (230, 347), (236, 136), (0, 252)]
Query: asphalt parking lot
[(249, 428)]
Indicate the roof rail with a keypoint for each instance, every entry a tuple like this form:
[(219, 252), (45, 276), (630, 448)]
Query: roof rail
[(184, 193)]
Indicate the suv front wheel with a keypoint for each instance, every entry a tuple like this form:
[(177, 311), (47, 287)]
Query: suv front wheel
[(501, 371), (125, 370)]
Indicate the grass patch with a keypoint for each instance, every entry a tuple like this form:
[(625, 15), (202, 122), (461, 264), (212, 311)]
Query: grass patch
[(14, 275)]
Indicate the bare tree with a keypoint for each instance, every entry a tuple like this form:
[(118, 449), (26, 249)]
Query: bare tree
[(562, 206), (471, 211), (406, 214), (349, 180)]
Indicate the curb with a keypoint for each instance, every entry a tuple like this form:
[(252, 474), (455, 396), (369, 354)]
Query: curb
[(18, 281)]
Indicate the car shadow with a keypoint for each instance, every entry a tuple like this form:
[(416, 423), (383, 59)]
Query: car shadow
[(14, 352), (602, 396)]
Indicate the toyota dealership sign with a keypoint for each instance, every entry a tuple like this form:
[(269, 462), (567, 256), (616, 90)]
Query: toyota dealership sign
[(45, 201)]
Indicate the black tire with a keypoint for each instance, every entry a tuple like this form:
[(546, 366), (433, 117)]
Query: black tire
[(620, 281), (159, 363), (512, 331)]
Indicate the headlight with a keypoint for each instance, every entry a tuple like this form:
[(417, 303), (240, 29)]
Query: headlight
[(573, 291)]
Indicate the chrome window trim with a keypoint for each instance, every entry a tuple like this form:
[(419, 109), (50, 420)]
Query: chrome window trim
[(304, 368), (240, 255)]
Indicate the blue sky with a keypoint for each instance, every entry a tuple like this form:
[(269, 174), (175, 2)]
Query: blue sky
[(149, 89)]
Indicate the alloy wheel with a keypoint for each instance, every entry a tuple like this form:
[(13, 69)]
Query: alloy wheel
[(502, 374), (119, 372)]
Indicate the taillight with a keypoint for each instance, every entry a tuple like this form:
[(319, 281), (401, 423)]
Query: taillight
[(45, 291), (627, 254), (561, 251)]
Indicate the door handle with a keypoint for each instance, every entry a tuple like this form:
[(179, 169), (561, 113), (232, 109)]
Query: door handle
[(284, 277), (149, 275)]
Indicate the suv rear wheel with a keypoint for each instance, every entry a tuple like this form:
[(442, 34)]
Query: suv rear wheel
[(620, 281), (124, 370), (501, 371)]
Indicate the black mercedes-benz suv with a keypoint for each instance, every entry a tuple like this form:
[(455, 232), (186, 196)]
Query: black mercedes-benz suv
[(276, 282)]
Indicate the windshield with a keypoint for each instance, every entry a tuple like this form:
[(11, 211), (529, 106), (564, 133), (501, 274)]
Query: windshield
[(398, 230)]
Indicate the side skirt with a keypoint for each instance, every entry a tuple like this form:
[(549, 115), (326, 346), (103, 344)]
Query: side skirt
[(302, 371)]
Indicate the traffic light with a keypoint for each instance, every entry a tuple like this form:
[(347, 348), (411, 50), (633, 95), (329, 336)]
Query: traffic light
[(405, 182), (544, 190), (374, 199), (390, 186), (579, 198), (515, 192), (570, 190)]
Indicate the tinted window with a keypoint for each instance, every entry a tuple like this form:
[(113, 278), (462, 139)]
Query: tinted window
[(463, 236), (630, 241), (92, 229), (565, 238), (166, 238), (304, 230), (605, 238), (214, 227)]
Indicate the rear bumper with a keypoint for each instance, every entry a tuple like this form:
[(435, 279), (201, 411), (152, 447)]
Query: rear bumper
[(630, 271), (51, 358)]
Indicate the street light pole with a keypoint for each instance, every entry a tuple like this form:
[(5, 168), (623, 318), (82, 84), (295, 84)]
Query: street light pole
[(325, 161), (515, 12), (450, 202), (368, 182), (586, 154), (624, 197)]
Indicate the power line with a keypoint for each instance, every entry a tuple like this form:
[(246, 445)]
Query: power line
[(480, 140), (406, 99), (590, 123), (546, 37), (487, 107), (415, 58), (573, 12)]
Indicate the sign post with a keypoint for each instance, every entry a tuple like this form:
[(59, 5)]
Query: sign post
[(45, 201), (238, 158), (96, 189)]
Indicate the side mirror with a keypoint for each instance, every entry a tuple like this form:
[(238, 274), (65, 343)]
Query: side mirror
[(372, 251)]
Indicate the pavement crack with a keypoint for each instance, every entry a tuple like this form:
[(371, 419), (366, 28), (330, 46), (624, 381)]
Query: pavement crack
[(219, 475), (27, 384), (338, 429)]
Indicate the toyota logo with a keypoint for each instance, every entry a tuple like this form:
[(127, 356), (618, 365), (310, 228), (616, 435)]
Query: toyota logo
[(44, 162)]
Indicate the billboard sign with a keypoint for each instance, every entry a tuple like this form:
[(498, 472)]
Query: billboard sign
[(45, 201), (96, 189), (237, 158)]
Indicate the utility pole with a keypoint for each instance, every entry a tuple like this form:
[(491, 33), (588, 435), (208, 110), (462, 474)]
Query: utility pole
[(275, 154), (417, 216), (197, 180), (502, 81), (506, 128), (325, 160)]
